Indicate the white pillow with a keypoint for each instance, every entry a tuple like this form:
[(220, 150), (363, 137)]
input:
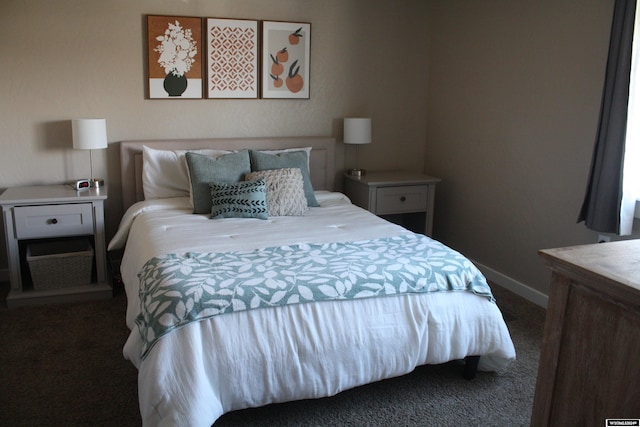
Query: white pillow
[(165, 173), (285, 191)]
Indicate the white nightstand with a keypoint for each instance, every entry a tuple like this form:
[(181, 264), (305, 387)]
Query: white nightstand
[(53, 213), (396, 196)]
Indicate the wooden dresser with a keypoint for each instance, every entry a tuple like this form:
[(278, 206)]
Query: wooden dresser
[(590, 362)]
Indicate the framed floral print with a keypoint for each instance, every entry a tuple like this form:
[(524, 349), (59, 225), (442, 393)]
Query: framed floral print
[(232, 58), (174, 46), (286, 48)]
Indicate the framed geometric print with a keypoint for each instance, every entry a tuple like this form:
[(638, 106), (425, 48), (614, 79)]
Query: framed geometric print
[(232, 58)]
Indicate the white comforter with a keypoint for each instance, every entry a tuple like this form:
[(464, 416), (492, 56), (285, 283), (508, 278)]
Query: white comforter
[(253, 358)]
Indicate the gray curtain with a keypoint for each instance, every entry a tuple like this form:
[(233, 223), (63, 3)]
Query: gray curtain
[(601, 207)]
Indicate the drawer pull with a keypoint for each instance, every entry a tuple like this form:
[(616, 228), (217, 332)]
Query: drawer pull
[(53, 221), (403, 198)]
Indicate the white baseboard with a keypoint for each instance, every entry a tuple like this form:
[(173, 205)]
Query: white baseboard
[(514, 286)]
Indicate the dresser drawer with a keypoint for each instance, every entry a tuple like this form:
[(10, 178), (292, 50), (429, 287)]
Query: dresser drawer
[(33, 222), (401, 199)]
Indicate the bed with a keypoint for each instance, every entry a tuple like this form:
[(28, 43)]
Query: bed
[(240, 312)]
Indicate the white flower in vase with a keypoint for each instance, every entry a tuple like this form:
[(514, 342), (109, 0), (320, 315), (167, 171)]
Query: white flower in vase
[(177, 49)]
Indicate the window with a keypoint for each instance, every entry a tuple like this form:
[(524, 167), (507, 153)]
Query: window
[(631, 166)]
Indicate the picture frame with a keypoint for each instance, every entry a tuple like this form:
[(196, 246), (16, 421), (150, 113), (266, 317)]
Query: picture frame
[(232, 66), (174, 52), (286, 60)]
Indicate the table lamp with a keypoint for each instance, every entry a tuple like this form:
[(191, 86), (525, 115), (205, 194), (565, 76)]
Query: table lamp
[(90, 134), (357, 131)]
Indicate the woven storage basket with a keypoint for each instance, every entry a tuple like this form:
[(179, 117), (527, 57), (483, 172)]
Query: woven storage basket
[(55, 265)]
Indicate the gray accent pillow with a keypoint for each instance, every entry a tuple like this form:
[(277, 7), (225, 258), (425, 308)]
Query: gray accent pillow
[(229, 168), (244, 199), (295, 159), (285, 191)]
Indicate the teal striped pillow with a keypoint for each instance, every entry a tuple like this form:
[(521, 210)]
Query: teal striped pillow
[(244, 199)]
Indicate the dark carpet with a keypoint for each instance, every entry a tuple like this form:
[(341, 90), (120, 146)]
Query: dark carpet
[(62, 365)]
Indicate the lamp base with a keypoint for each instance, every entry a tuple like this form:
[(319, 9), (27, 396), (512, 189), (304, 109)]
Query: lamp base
[(96, 182), (357, 172)]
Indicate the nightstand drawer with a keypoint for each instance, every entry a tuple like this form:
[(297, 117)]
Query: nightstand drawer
[(34, 222), (401, 199)]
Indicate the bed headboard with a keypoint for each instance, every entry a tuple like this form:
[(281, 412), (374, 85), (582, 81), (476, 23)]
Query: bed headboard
[(321, 161)]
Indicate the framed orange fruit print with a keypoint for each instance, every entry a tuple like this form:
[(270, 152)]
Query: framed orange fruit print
[(174, 50), (286, 50)]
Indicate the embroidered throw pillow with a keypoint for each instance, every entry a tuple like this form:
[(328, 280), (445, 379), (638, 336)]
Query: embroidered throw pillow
[(244, 199), (285, 191)]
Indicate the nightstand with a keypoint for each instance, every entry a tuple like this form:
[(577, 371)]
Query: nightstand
[(53, 214), (405, 198)]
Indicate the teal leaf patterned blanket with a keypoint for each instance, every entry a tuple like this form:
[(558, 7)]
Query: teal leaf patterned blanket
[(177, 289)]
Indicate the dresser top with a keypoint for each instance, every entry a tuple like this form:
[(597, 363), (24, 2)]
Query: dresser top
[(50, 194), (615, 262)]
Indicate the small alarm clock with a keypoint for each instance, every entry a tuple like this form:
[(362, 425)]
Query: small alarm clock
[(83, 184)]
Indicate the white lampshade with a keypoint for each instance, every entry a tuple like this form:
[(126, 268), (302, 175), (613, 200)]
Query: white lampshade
[(357, 130), (89, 134)]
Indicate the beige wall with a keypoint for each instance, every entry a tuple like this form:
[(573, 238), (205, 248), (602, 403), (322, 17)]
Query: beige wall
[(66, 59), (499, 98), (513, 102)]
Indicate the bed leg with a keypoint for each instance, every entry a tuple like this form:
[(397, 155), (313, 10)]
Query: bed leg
[(470, 367)]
